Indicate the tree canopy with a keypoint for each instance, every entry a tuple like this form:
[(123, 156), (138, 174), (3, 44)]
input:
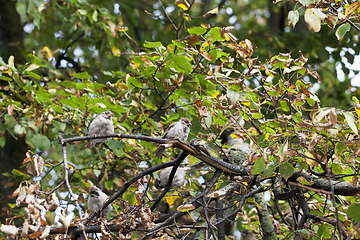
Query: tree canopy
[(276, 129)]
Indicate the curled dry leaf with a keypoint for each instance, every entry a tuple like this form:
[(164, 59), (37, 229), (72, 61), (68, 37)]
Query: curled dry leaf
[(45, 232), (63, 219), (52, 202), (35, 166), (25, 229)]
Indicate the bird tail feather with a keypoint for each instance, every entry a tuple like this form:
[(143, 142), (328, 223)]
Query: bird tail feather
[(159, 151)]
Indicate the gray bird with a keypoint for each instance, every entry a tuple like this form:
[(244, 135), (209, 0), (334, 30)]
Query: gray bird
[(102, 124), (248, 235), (179, 177), (96, 199), (179, 130)]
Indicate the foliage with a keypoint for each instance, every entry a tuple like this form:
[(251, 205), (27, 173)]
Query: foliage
[(301, 152)]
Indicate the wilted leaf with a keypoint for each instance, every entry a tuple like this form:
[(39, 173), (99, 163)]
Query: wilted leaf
[(9, 230), (206, 55), (52, 202), (313, 22), (316, 75), (213, 11), (352, 8)]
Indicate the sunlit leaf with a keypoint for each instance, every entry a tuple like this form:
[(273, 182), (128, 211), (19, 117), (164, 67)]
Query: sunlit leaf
[(293, 17), (313, 22), (351, 121), (342, 30)]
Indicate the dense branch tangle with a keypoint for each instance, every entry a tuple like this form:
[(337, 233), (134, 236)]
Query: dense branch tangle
[(321, 186)]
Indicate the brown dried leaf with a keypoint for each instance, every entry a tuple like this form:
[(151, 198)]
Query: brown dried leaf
[(206, 55), (316, 75), (52, 202), (39, 121), (352, 8)]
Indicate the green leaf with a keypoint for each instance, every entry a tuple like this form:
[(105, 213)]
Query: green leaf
[(109, 185), (340, 148), (233, 95), (70, 103), (258, 167), (197, 30), (178, 44), (284, 105), (115, 144), (21, 8), (286, 170), (353, 212), (152, 44), (68, 84), (342, 30), (182, 62), (82, 75), (269, 171), (60, 126), (19, 129), (2, 141), (41, 142), (9, 121), (34, 75), (6, 78), (130, 197)]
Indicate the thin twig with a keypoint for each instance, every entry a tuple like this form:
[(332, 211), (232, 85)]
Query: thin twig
[(66, 178)]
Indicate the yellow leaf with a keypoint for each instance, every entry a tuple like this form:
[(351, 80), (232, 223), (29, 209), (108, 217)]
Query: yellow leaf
[(182, 4), (309, 160), (47, 54), (116, 52), (136, 65), (123, 29), (170, 199)]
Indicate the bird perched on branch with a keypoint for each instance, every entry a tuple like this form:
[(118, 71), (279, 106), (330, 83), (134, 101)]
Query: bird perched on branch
[(102, 124), (96, 199), (248, 235), (179, 177), (179, 130)]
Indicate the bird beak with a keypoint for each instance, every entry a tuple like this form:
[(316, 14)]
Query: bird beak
[(109, 114)]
